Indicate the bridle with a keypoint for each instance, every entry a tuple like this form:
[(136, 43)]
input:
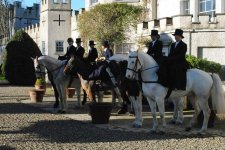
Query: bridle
[(39, 70), (134, 70)]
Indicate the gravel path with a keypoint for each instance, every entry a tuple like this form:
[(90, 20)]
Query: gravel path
[(25, 127)]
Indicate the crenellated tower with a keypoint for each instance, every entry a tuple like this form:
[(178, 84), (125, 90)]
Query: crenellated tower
[(55, 26)]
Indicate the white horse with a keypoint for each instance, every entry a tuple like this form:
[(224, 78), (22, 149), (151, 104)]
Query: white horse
[(200, 85), (136, 101), (56, 67)]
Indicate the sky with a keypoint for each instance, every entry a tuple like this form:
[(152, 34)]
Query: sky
[(76, 4)]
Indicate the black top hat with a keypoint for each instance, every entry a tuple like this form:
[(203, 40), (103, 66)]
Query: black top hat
[(179, 32), (105, 43), (154, 32), (70, 40), (91, 42), (78, 40)]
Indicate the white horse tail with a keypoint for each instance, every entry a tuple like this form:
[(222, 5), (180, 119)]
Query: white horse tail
[(217, 95)]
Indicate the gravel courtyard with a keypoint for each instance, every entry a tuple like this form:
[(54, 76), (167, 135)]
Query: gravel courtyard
[(25, 127)]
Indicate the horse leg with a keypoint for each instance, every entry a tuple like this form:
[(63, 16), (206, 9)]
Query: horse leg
[(136, 101), (175, 111), (62, 92), (180, 116), (152, 104), (203, 104), (56, 96), (194, 102), (161, 106), (113, 97), (117, 91), (77, 85), (100, 96)]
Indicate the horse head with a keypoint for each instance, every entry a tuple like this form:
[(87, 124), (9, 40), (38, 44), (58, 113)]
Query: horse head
[(134, 65), (39, 68)]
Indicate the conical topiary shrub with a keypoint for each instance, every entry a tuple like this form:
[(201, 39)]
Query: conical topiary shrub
[(18, 67)]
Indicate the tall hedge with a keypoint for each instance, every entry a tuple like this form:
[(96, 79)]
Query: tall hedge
[(17, 66)]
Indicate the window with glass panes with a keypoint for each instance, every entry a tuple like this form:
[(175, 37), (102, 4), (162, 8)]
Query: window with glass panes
[(207, 7), (185, 7), (59, 46)]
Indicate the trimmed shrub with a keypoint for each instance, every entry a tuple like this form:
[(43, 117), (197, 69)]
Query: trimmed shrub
[(17, 66), (204, 64)]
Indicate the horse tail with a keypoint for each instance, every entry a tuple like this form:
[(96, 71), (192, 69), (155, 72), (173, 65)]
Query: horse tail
[(217, 95)]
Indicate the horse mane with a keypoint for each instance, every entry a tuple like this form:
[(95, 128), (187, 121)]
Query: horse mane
[(50, 59), (146, 56)]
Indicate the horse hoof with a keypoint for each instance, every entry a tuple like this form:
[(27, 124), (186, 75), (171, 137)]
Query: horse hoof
[(162, 132), (61, 111), (188, 129), (122, 111), (56, 105), (172, 122), (153, 131), (178, 123), (201, 133), (137, 126)]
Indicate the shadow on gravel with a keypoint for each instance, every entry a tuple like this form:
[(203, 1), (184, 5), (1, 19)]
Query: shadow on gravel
[(71, 131), (7, 148), (18, 108)]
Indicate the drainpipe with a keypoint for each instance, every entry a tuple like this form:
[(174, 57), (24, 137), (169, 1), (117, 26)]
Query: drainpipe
[(190, 39)]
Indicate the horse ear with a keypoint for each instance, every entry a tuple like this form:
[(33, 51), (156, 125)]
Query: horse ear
[(36, 57)]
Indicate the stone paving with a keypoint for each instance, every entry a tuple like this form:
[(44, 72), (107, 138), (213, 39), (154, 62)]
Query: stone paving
[(26, 125)]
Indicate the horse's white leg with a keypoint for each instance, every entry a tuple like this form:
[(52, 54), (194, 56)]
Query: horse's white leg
[(180, 116), (60, 94), (64, 97), (136, 101), (152, 104), (161, 106), (194, 102), (175, 110), (203, 104)]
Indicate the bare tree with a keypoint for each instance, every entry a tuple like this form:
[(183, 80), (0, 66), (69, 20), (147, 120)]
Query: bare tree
[(4, 17)]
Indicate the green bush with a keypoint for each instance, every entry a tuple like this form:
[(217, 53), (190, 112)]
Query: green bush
[(204, 64), (18, 68)]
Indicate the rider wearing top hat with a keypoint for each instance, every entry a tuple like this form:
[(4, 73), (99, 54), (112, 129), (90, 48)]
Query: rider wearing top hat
[(79, 52), (155, 47), (70, 50), (93, 53), (176, 65)]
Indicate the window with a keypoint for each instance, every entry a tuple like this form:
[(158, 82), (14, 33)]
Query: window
[(185, 7), (43, 48), (208, 7), (93, 2), (64, 1), (55, 1), (59, 46)]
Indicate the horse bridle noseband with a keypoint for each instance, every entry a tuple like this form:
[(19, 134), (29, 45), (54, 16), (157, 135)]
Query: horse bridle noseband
[(139, 71), (49, 71)]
